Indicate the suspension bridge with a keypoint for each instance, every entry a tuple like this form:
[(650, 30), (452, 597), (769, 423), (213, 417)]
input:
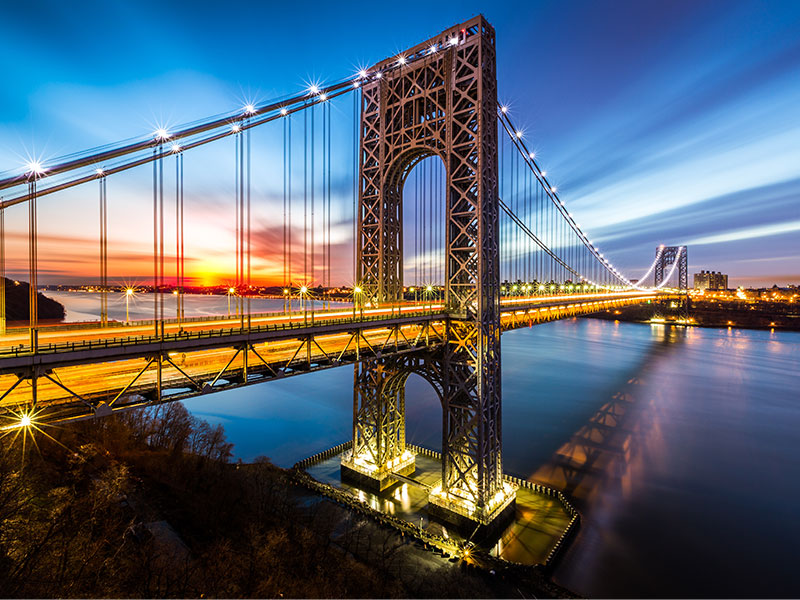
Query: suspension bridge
[(457, 235)]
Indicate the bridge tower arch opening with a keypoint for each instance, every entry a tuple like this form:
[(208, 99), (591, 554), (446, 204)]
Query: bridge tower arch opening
[(443, 102), (422, 188)]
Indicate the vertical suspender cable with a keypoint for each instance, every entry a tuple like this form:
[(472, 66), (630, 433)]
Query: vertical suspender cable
[(2, 269), (285, 120), (289, 194), (306, 281), (356, 154), (328, 169), (161, 241), (236, 170), (33, 259), (182, 290), (178, 218), (249, 280), (103, 254), (155, 241), (312, 183)]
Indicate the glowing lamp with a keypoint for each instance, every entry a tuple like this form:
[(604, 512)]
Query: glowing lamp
[(35, 167)]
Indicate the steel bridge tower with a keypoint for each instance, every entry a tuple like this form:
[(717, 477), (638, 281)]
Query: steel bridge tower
[(666, 256), (443, 104)]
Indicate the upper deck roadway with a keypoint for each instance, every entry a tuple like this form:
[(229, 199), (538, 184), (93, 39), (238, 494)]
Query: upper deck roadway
[(82, 369)]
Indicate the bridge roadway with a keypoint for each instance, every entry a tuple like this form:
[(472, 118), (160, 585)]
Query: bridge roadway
[(85, 369)]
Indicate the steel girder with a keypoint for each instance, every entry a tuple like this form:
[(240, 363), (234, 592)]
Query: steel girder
[(442, 105)]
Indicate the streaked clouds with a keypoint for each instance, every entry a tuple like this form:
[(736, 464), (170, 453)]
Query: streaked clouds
[(660, 122)]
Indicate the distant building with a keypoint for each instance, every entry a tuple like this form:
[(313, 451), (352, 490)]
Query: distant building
[(710, 280)]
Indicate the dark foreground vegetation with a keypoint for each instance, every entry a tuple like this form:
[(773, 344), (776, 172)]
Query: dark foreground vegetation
[(147, 504)]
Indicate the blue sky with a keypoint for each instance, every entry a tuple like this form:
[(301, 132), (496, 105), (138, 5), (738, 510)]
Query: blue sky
[(660, 122)]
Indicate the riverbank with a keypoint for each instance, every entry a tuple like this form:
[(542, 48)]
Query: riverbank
[(147, 504), (769, 316), (17, 304)]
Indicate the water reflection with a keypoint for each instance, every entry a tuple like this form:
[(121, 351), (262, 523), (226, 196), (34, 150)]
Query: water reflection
[(683, 475), (598, 456)]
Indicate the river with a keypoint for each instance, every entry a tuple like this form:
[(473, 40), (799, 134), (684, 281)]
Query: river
[(679, 446)]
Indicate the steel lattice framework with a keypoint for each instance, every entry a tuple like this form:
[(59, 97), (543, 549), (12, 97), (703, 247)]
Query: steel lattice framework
[(443, 105), (666, 257)]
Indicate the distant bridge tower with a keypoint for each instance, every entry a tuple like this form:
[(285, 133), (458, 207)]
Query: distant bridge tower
[(442, 104), (666, 257)]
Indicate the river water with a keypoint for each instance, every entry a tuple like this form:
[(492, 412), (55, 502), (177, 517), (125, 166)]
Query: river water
[(679, 446)]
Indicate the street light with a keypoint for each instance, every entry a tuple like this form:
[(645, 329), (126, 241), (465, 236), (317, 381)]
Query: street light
[(358, 301), (303, 294), (231, 292), (128, 296)]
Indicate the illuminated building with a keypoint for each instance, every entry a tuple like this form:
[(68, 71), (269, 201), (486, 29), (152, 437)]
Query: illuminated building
[(710, 280)]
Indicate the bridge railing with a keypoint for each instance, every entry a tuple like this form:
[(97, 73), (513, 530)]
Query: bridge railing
[(60, 347)]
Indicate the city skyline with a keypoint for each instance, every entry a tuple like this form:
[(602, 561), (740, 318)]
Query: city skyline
[(659, 124)]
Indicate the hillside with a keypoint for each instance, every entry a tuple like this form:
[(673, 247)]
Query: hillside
[(17, 303)]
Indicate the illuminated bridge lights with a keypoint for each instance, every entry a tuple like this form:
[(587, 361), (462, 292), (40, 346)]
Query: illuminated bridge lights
[(461, 501), (362, 467)]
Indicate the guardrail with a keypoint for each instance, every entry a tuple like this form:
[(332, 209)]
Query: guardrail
[(118, 342), (445, 545)]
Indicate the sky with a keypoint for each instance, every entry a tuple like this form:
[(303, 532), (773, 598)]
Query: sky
[(660, 122)]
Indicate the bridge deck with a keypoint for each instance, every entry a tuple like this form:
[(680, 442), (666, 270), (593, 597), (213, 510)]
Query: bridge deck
[(82, 368)]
